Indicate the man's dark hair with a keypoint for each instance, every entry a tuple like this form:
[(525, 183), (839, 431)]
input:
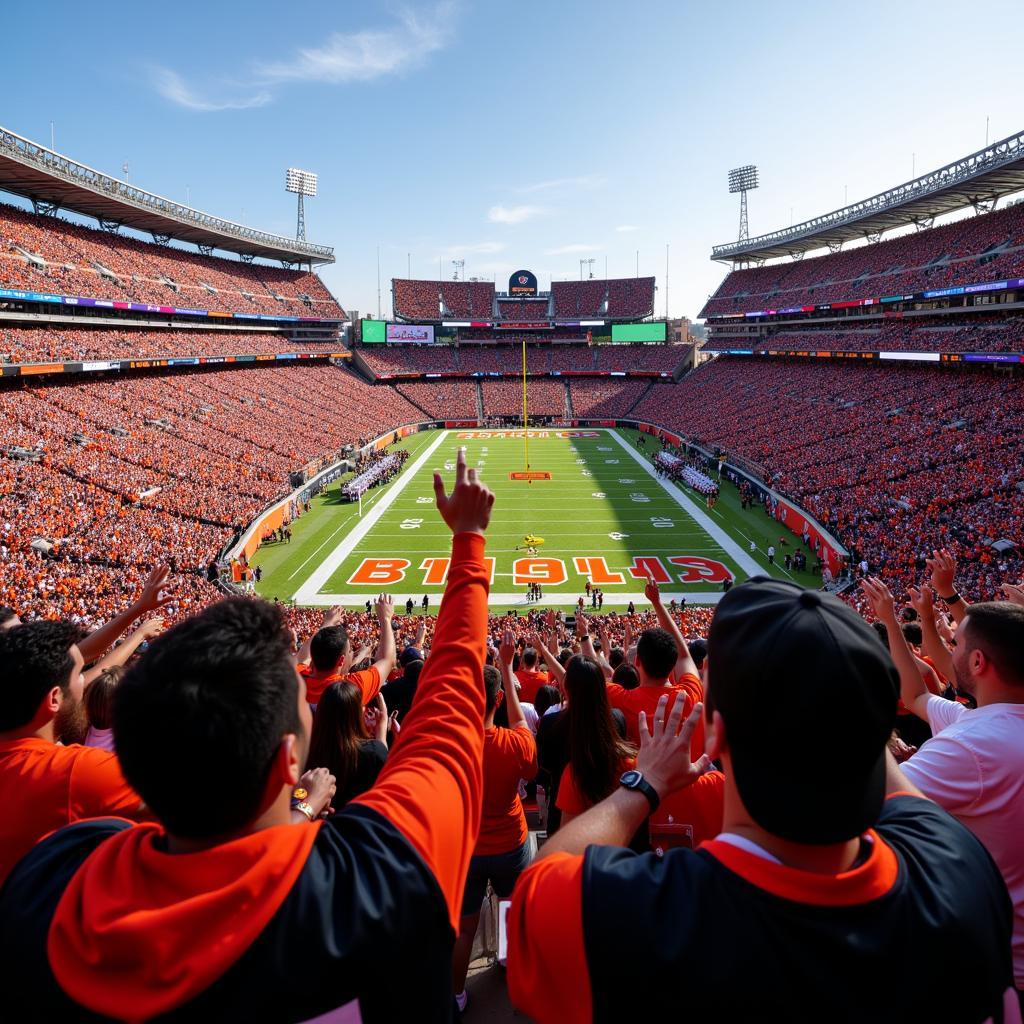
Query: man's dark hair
[(883, 632), (530, 658), (626, 676), (6, 614), (997, 629), (616, 656), (656, 652), (492, 687), (912, 633), (564, 656), (199, 718), (547, 697), (328, 647), (34, 658), (698, 651)]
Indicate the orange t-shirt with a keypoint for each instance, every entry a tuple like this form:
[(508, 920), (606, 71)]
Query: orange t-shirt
[(645, 698), (700, 805), (368, 682), (44, 786), (509, 755), (530, 682)]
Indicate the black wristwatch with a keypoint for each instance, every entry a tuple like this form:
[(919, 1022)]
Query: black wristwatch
[(635, 780), (952, 600)]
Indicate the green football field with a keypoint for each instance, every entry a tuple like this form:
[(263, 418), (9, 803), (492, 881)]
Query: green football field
[(603, 515)]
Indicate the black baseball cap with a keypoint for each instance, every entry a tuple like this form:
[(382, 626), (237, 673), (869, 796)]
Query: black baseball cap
[(808, 696)]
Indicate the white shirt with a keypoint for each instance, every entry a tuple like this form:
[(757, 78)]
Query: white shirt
[(973, 767)]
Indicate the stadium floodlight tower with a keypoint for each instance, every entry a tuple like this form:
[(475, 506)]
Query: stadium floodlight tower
[(302, 183), (743, 180)]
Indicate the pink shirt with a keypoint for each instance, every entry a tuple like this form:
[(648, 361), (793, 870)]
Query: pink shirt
[(973, 767)]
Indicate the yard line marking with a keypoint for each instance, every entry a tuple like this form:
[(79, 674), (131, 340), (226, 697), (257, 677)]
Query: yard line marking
[(724, 541), (307, 593), (551, 599)]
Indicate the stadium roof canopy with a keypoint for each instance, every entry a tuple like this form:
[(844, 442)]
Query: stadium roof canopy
[(976, 180), (53, 181)]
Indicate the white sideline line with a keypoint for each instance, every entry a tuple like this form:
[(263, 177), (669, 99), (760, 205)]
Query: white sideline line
[(724, 541), (550, 599), (308, 592), (334, 533)]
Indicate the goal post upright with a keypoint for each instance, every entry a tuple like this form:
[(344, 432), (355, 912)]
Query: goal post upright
[(526, 431)]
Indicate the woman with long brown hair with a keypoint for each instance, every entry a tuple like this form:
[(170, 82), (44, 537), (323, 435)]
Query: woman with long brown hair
[(341, 741), (598, 752)]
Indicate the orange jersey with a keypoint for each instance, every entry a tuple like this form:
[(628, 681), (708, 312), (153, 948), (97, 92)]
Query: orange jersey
[(530, 682), (368, 682), (509, 755), (645, 698), (44, 786)]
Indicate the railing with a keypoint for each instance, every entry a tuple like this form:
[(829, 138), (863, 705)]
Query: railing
[(31, 153)]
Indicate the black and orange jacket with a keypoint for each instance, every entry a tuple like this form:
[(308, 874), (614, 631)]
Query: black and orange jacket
[(920, 930), (356, 914)]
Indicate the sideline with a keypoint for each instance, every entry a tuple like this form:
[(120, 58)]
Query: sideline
[(309, 591)]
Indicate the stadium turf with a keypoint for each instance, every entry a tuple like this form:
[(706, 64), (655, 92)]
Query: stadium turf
[(601, 504)]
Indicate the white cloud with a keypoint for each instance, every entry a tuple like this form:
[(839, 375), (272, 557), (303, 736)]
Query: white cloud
[(565, 250), (626, 227), (371, 53), (173, 87), (344, 57), (512, 214), (583, 181)]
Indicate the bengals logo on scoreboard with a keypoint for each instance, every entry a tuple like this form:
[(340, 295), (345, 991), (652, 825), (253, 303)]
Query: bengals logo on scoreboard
[(523, 279)]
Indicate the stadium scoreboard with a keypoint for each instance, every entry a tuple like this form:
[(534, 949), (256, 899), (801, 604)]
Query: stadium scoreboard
[(627, 333)]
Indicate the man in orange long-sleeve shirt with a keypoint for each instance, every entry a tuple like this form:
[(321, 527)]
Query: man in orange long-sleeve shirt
[(226, 910)]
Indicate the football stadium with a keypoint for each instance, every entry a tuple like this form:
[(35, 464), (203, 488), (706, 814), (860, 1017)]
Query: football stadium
[(470, 638)]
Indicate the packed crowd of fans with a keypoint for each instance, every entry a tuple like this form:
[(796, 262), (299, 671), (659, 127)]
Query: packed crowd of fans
[(611, 398), (429, 300), (124, 472), (895, 460), (60, 344), (507, 358), (523, 310), (505, 397), (988, 247), (371, 772), (976, 334), (52, 255), (443, 399), (617, 298)]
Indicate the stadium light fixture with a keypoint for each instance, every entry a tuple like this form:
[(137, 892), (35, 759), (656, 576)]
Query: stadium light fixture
[(743, 180), (302, 183)]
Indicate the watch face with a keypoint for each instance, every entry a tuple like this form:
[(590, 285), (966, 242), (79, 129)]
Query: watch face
[(299, 793), (630, 779)]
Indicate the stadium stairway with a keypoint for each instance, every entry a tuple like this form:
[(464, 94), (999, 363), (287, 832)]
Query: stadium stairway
[(479, 401), (640, 397), (569, 413), (412, 401)]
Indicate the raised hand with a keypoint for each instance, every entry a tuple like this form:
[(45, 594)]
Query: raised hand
[(942, 566), (880, 599), (152, 596), (664, 757), (151, 628), (921, 600), (507, 649), (582, 626), (652, 591), (1014, 594), (385, 608), (334, 616), (468, 508)]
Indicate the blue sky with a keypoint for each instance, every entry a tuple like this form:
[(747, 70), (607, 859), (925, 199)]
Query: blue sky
[(513, 135)]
